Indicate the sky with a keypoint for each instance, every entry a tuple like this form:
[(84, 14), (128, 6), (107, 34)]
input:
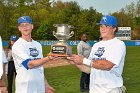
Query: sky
[(103, 6)]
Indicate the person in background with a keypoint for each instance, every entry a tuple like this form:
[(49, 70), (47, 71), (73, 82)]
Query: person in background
[(106, 61), (29, 60), (11, 67), (83, 49)]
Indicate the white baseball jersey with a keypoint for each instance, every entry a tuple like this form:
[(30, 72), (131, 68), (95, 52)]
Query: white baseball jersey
[(1, 66), (28, 80), (102, 81)]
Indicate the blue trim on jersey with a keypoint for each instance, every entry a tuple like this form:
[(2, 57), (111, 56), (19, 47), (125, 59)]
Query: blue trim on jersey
[(25, 63)]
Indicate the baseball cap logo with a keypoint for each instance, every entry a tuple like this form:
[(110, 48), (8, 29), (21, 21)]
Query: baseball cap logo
[(14, 36), (105, 19), (23, 18)]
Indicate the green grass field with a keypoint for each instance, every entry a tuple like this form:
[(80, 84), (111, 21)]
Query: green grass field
[(65, 79)]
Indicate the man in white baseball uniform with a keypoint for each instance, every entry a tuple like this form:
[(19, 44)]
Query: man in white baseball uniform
[(1, 67), (106, 60), (28, 59), (3, 61)]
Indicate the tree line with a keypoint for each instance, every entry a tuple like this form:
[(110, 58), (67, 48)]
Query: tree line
[(45, 13)]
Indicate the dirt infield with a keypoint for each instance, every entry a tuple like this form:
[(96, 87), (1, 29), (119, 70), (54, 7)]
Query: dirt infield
[(58, 62)]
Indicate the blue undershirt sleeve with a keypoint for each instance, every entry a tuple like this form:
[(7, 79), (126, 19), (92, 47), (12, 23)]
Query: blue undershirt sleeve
[(25, 63)]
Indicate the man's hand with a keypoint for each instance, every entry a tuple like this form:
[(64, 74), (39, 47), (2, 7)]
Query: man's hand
[(50, 89), (53, 57), (77, 59)]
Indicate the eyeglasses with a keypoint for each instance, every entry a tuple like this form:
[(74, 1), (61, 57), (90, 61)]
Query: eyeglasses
[(25, 25)]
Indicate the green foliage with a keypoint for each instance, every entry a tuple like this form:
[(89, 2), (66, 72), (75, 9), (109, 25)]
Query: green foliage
[(42, 32), (46, 13)]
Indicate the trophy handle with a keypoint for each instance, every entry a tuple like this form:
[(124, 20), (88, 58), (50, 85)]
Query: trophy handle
[(71, 34), (54, 33)]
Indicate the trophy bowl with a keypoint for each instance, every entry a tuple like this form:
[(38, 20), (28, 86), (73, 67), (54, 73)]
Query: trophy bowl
[(63, 31), (61, 48)]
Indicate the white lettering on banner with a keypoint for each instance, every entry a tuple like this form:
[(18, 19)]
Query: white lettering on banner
[(44, 43), (74, 43), (47, 43), (137, 43)]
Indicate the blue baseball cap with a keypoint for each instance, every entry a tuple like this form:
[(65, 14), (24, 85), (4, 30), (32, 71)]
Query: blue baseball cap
[(24, 19), (108, 20), (13, 38)]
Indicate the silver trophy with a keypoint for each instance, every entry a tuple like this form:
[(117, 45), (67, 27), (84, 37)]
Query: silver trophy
[(61, 48)]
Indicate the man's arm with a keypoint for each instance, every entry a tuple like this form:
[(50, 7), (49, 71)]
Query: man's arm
[(84, 68), (39, 62), (79, 49), (102, 64), (97, 64)]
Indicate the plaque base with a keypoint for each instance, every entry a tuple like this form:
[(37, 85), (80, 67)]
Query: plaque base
[(60, 49), (59, 55)]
